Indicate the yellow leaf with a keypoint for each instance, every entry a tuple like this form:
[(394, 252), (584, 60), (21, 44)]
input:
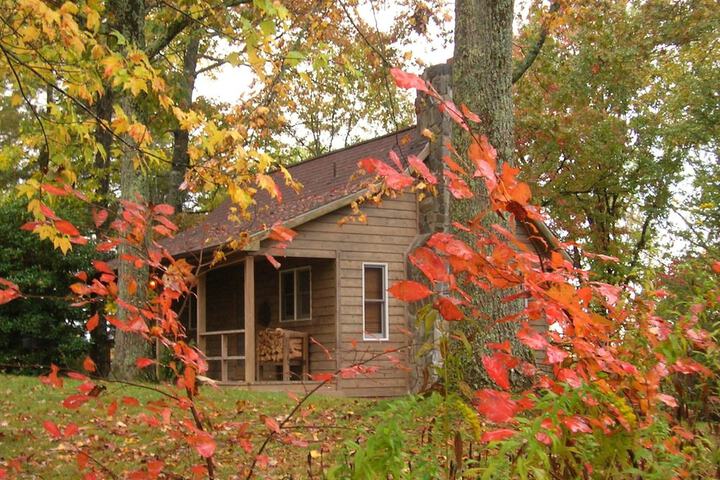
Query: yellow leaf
[(136, 85), (92, 21), (112, 64), (69, 7), (139, 133)]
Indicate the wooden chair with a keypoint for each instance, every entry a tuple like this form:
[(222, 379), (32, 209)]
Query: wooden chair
[(278, 347)]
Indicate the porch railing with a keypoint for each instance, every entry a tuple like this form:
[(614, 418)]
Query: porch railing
[(225, 352)]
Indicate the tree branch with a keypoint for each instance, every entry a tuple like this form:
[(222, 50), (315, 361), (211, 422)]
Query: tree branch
[(530, 57), (179, 25)]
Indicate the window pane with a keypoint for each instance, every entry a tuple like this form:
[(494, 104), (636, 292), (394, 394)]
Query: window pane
[(287, 296), (235, 370), (374, 318), (212, 345), (374, 283), (235, 344), (303, 300)]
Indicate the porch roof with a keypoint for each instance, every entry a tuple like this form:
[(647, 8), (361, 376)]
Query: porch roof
[(326, 179)]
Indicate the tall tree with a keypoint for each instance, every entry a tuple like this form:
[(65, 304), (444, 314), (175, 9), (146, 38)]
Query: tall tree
[(482, 72)]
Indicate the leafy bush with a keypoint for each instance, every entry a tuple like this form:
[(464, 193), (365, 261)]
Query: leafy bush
[(42, 327)]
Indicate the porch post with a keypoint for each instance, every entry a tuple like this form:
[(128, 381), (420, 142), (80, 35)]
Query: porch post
[(201, 312), (249, 319)]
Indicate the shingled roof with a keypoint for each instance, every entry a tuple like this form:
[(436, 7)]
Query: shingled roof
[(327, 179)]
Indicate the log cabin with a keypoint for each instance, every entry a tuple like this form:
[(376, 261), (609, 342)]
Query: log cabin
[(326, 306)]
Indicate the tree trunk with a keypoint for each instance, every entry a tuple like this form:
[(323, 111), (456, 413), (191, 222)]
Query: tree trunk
[(482, 80), (129, 16), (181, 138), (101, 344)]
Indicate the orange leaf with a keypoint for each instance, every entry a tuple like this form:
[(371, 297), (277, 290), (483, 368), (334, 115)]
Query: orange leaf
[(497, 406), (52, 429), (203, 443), (89, 365), (449, 310), (144, 362), (271, 424), (99, 217), (408, 80), (75, 401), (496, 369), (409, 291), (531, 337), (497, 435), (92, 322), (63, 226)]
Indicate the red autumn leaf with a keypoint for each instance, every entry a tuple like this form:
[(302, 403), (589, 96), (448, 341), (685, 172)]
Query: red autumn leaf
[(163, 209), (496, 369), (497, 435), (112, 408), (408, 80), (52, 378), (689, 366), (89, 365), (203, 443), (8, 295), (272, 261), (63, 226), (447, 243), (521, 193), (395, 159), (155, 467), (52, 429), (102, 267), (555, 354), (130, 401), (271, 424), (668, 400), (70, 430), (447, 106), (430, 264), (77, 376), (29, 226), (99, 217), (448, 309), (457, 186), (409, 291), (502, 347), (577, 424), (398, 181), (469, 114), (75, 401), (53, 190), (322, 377), (420, 167), (531, 337), (716, 267), (47, 212), (144, 362), (496, 406), (92, 322), (281, 233)]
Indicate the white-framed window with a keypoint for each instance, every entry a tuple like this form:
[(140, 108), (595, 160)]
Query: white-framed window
[(375, 304), (295, 294)]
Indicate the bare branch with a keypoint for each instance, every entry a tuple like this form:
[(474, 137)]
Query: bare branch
[(534, 51)]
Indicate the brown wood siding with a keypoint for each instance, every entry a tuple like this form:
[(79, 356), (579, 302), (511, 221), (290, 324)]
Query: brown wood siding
[(384, 239)]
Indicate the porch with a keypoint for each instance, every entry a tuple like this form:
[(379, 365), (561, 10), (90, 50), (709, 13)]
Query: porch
[(265, 328)]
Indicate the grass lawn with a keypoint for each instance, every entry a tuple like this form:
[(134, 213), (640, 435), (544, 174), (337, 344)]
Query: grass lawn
[(128, 439)]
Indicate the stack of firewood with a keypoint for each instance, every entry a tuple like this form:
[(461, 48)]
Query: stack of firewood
[(270, 345)]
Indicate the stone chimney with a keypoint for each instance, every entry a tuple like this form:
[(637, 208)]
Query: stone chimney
[(435, 210)]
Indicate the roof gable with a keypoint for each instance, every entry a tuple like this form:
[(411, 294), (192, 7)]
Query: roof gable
[(329, 182)]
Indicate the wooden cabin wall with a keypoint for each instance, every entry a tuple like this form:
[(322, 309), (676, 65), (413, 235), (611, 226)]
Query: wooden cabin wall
[(385, 238)]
